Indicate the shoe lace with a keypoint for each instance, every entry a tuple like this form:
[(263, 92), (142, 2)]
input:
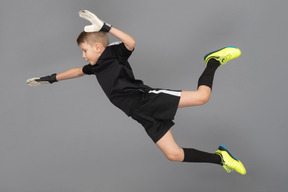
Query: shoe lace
[(226, 168), (226, 58), (224, 165)]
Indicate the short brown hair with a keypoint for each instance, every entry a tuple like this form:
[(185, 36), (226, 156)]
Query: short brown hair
[(93, 37)]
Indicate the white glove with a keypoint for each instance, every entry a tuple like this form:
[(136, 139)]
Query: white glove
[(97, 24), (42, 80)]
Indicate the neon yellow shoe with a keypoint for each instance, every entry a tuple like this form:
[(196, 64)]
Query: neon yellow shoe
[(223, 55), (230, 163)]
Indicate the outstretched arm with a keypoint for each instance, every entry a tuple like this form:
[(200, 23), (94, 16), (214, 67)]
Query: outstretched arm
[(128, 41), (70, 74), (99, 25)]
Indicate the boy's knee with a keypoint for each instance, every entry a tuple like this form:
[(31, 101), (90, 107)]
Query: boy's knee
[(204, 98), (204, 93), (175, 156)]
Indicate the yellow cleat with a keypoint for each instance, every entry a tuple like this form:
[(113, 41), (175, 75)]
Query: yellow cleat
[(223, 55), (229, 162)]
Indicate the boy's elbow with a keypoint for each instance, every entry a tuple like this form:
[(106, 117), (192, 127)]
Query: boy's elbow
[(134, 42), (131, 45)]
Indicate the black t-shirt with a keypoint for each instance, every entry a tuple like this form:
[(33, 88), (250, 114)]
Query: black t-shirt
[(116, 78)]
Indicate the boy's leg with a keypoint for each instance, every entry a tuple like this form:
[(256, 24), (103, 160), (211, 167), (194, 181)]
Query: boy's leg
[(205, 82), (173, 152), (193, 98), (213, 60), (222, 156), (170, 148)]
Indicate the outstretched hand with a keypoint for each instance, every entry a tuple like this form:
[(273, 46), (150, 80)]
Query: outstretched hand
[(42, 80)]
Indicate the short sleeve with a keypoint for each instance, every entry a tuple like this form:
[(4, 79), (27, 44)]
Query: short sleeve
[(87, 69), (121, 51), (124, 53)]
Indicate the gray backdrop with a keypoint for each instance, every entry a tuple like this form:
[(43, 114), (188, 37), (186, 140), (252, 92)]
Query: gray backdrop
[(67, 137)]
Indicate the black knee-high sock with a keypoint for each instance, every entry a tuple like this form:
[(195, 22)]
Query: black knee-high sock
[(208, 74), (193, 155)]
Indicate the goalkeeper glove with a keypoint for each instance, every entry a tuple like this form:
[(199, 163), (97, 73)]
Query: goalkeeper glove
[(97, 24), (42, 80)]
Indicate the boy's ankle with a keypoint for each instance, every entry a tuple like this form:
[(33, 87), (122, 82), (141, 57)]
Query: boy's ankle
[(213, 63)]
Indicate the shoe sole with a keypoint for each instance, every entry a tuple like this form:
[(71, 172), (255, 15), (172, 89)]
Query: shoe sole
[(223, 148)]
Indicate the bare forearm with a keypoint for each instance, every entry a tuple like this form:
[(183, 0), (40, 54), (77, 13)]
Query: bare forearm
[(70, 74), (128, 41)]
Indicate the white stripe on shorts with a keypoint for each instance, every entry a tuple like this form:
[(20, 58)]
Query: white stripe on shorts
[(175, 93)]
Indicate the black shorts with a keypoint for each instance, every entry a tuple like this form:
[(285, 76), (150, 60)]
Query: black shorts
[(155, 111)]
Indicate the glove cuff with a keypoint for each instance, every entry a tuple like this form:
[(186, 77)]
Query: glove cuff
[(106, 28), (53, 78)]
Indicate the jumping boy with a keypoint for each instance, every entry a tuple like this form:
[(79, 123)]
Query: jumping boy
[(154, 109)]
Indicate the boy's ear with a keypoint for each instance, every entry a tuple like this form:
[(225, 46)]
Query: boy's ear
[(99, 47)]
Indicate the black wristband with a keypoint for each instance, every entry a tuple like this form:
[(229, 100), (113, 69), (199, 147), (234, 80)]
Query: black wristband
[(106, 28), (50, 78), (53, 78)]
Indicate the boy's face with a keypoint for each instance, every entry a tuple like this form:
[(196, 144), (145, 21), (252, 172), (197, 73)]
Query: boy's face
[(91, 53)]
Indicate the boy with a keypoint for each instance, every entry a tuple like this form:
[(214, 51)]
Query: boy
[(153, 108)]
